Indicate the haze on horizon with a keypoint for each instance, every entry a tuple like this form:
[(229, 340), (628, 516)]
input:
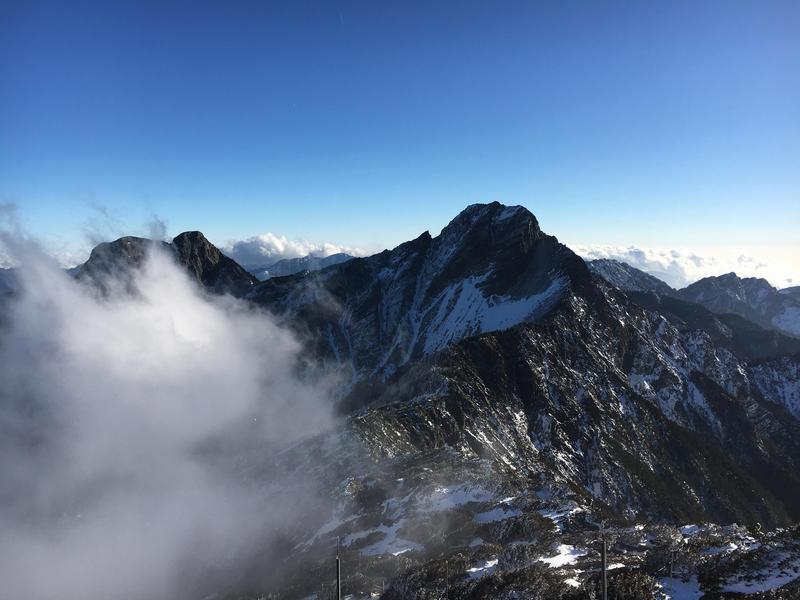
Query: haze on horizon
[(628, 130)]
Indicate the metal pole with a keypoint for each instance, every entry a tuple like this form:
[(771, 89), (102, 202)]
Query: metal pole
[(446, 581), (338, 572), (605, 566)]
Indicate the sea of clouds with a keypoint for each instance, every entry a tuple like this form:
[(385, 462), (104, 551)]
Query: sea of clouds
[(679, 266), (268, 248)]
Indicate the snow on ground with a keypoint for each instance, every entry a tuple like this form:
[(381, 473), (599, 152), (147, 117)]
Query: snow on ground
[(462, 310), (390, 544), (497, 514), (485, 568), (713, 550), (449, 497), (690, 530), (676, 589), (766, 579), (556, 515), (567, 555)]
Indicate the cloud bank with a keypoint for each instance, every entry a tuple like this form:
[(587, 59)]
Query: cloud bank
[(679, 266), (115, 410), (269, 248)]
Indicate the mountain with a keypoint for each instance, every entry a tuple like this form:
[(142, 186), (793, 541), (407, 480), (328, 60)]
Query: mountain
[(792, 292), (499, 402), (742, 337), (628, 278), (202, 260), (290, 266), (490, 268), (752, 298)]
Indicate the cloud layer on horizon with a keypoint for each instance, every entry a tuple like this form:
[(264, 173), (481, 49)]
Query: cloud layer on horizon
[(680, 266), (269, 248)]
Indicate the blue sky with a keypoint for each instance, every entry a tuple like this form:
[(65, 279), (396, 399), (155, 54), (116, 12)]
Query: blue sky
[(654, 124)]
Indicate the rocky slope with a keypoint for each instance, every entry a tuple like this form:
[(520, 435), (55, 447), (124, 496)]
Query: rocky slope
[(502, 401), (752, 298), (792, 292), (628, 278), (744, 338)]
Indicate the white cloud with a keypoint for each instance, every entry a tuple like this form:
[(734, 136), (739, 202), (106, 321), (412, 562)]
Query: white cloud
[(681, 266), (115, 412), (269, 248)]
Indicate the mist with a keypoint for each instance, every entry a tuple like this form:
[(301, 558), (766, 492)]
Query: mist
[(118, 410)]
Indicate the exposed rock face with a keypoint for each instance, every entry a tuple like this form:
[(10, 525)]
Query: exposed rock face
[(202, 260), (628, 278), (752, 298), (211, 268)]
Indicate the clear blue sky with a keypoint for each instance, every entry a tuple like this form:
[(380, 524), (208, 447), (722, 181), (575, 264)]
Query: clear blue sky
[(652, 123)]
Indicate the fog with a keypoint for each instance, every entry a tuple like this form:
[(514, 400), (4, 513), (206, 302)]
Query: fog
[(116, 410)]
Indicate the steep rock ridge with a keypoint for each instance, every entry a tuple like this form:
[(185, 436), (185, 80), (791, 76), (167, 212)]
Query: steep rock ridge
[(489, 269), (628, 278), (752, 298), (210, 267), (202, 260)]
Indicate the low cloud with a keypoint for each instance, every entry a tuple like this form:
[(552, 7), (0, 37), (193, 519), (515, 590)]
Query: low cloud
[(115, 413), (269, 248), (679, 266)]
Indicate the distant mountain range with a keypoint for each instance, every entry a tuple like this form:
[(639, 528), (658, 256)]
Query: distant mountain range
[(290, 266), (752, 298), (500, 398)]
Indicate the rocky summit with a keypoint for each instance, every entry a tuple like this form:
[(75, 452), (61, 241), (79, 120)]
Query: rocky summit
[(504, 407)]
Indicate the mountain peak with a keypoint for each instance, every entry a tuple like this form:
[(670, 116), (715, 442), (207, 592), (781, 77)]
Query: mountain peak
[(202, 259), (496, 215), (491, 268)]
